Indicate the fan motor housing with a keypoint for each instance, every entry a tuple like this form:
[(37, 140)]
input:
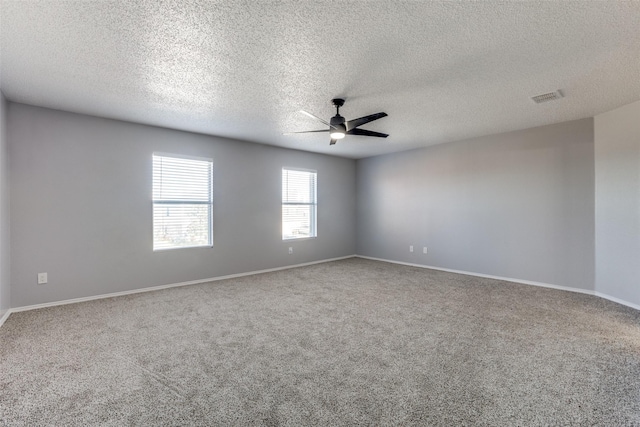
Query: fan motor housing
[(337, 120)]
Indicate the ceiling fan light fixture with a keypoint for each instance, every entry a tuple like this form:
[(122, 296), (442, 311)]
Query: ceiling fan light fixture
[(339, 128)]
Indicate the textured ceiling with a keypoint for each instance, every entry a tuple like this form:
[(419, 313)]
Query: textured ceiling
[(443, 71)]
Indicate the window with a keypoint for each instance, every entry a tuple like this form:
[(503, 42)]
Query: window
[(298, 204), (182, 202)]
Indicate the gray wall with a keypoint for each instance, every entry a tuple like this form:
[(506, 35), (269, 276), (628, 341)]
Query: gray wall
[(517, 205), (5, 284), (617, 172), (524, 205), (81, 206)]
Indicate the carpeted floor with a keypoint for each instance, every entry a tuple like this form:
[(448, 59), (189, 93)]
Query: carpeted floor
[(352, 342)]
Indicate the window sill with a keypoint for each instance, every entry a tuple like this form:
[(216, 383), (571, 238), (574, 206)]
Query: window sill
[(298, 239)]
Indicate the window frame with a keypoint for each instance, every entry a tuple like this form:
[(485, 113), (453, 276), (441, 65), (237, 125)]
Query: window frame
[(313, 222), (209, 244)]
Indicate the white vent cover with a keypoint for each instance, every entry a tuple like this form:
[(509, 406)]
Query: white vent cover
[(551, 96)]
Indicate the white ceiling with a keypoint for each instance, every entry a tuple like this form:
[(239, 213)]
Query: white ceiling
[(443, 71)]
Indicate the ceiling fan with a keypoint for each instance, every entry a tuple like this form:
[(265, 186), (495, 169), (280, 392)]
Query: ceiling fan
[(339, 128)]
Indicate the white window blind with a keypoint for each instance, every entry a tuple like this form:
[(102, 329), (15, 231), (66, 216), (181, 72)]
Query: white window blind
[(299, 204), (182, 202)]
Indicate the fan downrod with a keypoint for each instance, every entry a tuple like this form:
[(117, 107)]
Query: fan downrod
[(337, 102)]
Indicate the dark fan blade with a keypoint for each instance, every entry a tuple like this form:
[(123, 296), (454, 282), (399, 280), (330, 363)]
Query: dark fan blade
[(307, 131), (366, 133), (352, 124), (315, 117), (333, 141)]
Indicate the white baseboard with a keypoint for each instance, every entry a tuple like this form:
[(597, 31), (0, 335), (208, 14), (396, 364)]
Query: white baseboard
[(4, 316), (8, 312), (618, 300), (488, 276), (157, 288), (509, 279)]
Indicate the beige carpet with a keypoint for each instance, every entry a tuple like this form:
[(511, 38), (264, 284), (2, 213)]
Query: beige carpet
[(352, 342)]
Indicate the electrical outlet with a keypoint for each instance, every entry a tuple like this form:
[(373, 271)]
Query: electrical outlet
[(42, 278), (290, 250), (411, 248), (424, 249)]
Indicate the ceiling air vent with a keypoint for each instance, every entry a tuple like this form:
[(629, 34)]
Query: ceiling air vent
[(551, 96)]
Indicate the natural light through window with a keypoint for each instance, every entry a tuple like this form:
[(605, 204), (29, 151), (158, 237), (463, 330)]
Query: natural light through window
[(299, 204), (182, 202)]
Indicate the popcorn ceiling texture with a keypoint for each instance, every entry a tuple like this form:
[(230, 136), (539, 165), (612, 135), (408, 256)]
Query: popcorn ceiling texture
[(443, 71), (353, 342)]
